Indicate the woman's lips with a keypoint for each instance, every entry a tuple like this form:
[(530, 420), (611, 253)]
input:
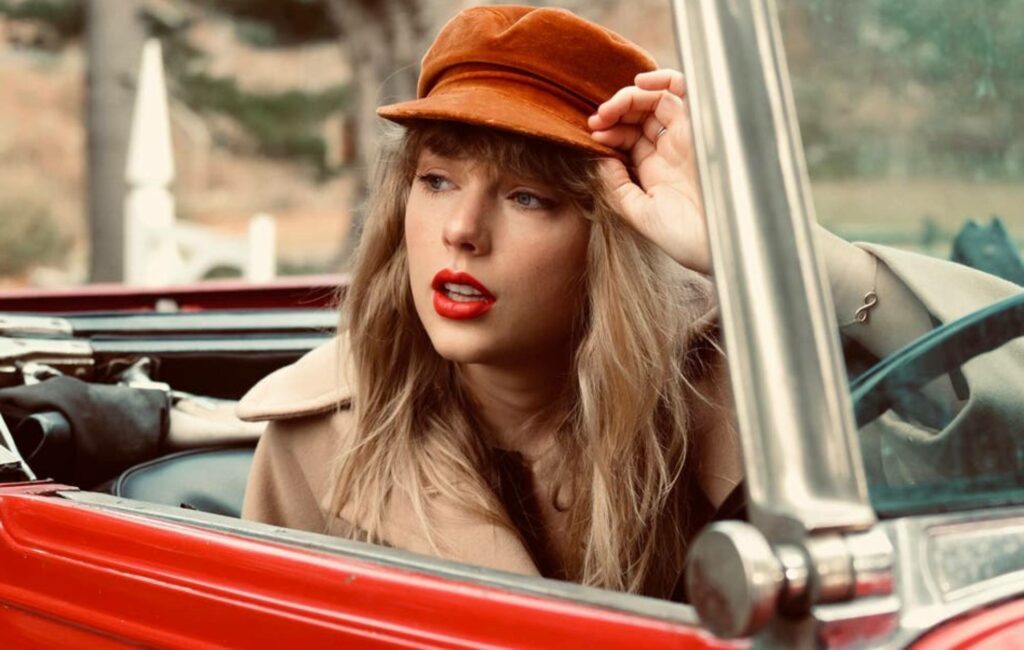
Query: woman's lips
[(458, 295)]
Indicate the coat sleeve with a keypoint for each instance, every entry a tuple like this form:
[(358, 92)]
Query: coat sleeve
[(980, 438)]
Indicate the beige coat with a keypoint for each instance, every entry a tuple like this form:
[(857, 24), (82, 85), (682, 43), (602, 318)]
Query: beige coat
[(307, 408)]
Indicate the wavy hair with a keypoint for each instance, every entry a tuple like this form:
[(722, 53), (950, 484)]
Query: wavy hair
[(624, 421)]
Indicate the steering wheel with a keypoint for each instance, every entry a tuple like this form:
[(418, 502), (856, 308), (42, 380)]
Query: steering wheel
[(941, 351)]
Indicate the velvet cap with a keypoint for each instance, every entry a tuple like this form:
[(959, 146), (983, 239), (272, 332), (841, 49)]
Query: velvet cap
[(539, 72)]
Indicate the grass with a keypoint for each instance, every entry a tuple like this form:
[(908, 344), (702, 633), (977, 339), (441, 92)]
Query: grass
[(908, 213)]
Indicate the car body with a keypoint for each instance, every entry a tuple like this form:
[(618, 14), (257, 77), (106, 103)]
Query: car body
[(814, 566)]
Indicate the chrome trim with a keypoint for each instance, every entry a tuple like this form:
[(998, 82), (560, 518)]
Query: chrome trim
[(955, 549), (950, 564), (19, 325), (800, 451)]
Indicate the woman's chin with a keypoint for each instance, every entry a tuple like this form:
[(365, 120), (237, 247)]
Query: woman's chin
[(462, 349)]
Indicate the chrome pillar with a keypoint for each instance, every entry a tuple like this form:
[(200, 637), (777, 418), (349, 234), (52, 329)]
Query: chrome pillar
[(804, 474), (792, 405)]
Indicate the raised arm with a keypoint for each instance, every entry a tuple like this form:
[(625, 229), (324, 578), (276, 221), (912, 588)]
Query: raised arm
[(651, 122)]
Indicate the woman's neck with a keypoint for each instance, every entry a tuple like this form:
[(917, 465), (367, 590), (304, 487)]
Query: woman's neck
[(517, 404)]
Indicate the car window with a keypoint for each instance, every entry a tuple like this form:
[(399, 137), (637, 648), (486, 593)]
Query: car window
[(910, 116)]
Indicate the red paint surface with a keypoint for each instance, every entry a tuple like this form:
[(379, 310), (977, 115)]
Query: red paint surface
[(70, 574), (1000, 627), (318, 291)]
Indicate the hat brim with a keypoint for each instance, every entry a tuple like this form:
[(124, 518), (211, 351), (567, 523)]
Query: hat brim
[(483, 106)]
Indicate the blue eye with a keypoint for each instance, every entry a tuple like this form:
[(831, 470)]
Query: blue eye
[(434, 182), (529, 201)]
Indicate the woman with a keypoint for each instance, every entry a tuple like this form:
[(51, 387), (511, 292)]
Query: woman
[(529, 377)]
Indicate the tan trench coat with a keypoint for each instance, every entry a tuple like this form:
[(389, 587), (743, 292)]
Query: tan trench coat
[(306, 406)]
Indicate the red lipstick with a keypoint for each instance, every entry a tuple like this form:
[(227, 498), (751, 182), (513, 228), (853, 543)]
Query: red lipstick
[(459, 296)]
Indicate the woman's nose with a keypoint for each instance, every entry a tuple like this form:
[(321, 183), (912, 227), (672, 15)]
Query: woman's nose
[(466, 229)]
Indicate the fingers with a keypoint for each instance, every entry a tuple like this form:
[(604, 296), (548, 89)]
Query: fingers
[(629, 105), (642, 150), (622, 136), (633, 105), (636, 117), (631, 202), (614, 172), (664, 79), (628, 136), (653, 129)]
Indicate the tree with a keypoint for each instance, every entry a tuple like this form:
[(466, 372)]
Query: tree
[(114, 37), (383, 41)]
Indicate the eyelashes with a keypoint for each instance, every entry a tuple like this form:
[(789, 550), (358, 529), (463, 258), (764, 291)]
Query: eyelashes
[(433, 183), (522, 199), (531, 201)]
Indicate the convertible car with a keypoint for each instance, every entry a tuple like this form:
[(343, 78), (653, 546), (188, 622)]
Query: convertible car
[(138, 543)]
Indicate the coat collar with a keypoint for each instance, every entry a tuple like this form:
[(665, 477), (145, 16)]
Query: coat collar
[(318, 382)]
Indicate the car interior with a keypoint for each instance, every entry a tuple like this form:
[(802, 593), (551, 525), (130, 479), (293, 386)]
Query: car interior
[(101, 420)]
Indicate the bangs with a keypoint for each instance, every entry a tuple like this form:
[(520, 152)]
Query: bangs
[(568, 171)]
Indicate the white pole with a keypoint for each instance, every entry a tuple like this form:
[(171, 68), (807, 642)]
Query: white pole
[(262, 262), (151, 251)]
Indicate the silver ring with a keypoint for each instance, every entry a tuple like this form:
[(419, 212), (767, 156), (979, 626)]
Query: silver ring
[(662, 131)]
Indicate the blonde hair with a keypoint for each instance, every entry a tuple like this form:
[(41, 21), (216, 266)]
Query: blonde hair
[(624, 427)]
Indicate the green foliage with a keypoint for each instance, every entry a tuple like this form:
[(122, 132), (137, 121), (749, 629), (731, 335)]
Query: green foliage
[(30, 237), (65, 17), (284, 125), (278, 22), (926, 86), (981, 43)]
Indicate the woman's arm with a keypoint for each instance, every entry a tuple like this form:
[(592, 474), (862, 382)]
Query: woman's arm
[(897, 316), (651, 121)]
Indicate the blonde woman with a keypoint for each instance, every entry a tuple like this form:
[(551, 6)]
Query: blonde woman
[(528, 375)]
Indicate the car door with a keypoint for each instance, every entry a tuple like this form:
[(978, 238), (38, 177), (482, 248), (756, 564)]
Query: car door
[(85, 568)]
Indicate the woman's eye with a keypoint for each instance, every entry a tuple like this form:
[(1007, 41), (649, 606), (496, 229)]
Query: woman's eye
[(530, 201), (435, 182)]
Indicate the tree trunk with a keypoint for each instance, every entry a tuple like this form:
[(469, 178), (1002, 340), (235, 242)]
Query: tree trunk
[(384, 41), (114, 37)]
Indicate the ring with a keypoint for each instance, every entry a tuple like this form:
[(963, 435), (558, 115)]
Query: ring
[(662, 131)]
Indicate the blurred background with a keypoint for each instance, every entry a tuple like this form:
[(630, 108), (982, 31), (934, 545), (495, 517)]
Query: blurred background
[(912, 117)]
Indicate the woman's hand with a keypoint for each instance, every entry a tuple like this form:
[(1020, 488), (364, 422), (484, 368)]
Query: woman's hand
[(650, 121)]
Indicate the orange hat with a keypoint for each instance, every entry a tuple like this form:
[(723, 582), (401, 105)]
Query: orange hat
[(538, 72)]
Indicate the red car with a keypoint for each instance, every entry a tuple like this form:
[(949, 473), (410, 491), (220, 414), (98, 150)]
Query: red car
[(819, 562)]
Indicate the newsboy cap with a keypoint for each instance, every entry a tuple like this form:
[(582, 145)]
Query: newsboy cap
[(539, 72)]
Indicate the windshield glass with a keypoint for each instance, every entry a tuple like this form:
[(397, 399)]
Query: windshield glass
[(911, 116)]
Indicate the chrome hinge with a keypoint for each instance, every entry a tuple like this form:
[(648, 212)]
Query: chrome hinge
[(739, 583), (71, 357)]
